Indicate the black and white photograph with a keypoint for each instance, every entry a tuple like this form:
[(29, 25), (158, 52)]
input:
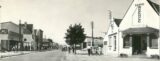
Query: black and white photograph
[(79, 30)]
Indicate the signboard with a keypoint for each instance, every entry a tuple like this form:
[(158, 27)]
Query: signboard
[(138, 15), (3, 31)]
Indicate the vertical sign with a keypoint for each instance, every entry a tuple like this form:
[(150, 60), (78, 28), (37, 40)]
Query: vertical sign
[(139, 11), (111, 20)]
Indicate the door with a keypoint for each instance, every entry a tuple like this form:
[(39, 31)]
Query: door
[(136, 44)]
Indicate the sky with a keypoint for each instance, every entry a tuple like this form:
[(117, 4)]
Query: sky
[(55, 16)]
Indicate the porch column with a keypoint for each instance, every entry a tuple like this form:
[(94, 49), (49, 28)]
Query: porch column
[(147, 39), (130, 40)]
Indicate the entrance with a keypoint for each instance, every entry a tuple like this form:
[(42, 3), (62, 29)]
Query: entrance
[(139, 44)]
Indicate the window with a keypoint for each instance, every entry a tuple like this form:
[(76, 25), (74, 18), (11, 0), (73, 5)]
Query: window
[(153, 41), (115, 43), (126, 42), (105, 42), (110, 40)]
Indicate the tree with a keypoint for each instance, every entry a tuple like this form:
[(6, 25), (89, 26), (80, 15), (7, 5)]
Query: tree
[(75, 35)]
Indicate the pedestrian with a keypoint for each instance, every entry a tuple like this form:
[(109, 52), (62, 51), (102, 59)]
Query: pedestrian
[(73, 49), (99, 50), (69, 49), (92, 50), (89, 51)]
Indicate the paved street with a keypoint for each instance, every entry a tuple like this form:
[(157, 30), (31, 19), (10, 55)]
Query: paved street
[(85, 57), (56, 55)]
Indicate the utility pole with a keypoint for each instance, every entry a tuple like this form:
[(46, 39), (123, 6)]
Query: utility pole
[(20, 36), (159, 29), (0, 24), (92, 26)]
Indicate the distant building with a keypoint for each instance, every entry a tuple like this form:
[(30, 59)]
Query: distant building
[(47, 44), (98, 42), (38, 38)]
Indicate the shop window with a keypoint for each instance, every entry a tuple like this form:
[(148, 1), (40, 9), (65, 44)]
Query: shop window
[(4, 45), (126, 42), (153, 41), (110, 42)]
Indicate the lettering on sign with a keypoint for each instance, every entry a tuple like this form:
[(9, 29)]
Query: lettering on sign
[(139, 11)]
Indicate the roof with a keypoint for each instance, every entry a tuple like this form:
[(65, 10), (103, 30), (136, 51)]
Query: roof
[(45, 40), (156, 1), (26, 31), (154, 5), (117, 21), (140, 30), (94, 37), (9, 22), (29, 27)]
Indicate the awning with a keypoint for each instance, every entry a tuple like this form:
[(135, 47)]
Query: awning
[(141, 30)]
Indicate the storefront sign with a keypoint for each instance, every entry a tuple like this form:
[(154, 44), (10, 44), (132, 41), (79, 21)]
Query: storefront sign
[(139, 11), (3, 31)]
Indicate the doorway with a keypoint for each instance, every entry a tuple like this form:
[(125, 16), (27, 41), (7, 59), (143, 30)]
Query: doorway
[(139, 44)]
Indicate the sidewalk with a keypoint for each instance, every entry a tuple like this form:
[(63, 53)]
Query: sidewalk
[(13, 53), (85, 57)]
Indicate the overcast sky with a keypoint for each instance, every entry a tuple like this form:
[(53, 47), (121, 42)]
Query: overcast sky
[(55, 16)]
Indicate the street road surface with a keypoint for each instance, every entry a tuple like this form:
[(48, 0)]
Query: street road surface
[(55, 55)]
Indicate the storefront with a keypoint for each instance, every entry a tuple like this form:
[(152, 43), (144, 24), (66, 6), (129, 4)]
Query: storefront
[(140, 39), (137, 33)]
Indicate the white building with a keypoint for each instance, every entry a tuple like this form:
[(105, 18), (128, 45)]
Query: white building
[(138, 32), (29, 42), (98, 42)]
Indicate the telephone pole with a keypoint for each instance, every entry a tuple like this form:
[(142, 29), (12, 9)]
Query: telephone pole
[(92, 26), (159, 29), (20, 36)]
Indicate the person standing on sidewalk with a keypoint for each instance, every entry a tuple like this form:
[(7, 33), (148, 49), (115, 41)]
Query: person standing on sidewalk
[(99, 50), (69, 49), (89, 51)]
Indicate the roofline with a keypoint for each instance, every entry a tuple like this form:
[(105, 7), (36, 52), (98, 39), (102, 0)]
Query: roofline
[(94, 37), (10, 22), (127, 9)]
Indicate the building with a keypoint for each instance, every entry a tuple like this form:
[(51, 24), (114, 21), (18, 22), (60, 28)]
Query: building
[(98, 42), (47, 43), (28, 36), (137, 33), (111, 39), (38, 38), (9, 35)]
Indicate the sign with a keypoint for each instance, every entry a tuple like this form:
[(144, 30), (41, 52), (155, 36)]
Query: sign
[(139, 11), (3, 31)]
